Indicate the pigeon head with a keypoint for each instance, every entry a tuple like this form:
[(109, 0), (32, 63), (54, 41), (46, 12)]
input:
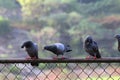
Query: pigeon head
[(117, 36), (46, 48), (27, 44), (88, 40), (51, 48)]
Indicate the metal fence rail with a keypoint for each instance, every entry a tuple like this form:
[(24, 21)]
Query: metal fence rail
[(69, 69)]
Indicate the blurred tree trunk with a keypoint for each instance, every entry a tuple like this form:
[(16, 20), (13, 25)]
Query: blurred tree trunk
[(64, 35)]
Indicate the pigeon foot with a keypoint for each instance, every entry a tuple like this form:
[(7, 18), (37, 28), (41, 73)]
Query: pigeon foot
[(63, 58), (55, 58), (88, 57), (94, 57), (28, 58), (33, 58)]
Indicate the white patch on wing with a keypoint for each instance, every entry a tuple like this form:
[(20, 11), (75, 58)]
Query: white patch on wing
[(60, 46), (36, 46)]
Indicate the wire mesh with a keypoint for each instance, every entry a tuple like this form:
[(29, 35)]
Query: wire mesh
[(60, 70)]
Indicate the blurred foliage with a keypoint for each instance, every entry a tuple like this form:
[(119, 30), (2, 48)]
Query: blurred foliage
[(4, 25), (12, 4), (69, 22)]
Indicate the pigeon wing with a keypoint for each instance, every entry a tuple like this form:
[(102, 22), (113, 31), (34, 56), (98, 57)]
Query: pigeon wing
[(96, 49)]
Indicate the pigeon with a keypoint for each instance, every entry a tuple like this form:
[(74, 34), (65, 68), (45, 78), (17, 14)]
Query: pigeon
[(118, 38), (32, 50), (91, 48), (58, 49)]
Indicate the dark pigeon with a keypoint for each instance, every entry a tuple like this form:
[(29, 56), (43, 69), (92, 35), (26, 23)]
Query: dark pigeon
[(118, 38), (91, 47), (58, 48), (32, 50)]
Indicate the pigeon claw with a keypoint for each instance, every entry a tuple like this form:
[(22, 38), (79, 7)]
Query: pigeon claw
[(94, 57), (33, 58), (55, 58), (28, 58), (88, 57), (63, 58)]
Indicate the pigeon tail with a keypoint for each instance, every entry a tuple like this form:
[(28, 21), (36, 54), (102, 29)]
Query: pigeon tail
[(98, 55), (35, 64)]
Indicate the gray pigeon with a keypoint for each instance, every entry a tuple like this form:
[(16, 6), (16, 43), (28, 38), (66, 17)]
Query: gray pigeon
[(91, 47), (32, 50), (58, 49), (118, 38)]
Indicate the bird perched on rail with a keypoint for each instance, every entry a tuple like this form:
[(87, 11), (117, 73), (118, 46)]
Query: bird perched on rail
[(58, 49), (118, 38), (91, 48), (32, 50)]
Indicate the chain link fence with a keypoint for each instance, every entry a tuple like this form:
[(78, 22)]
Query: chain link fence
[(71, 69)]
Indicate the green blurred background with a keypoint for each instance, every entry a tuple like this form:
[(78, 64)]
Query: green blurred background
[(68, 21)]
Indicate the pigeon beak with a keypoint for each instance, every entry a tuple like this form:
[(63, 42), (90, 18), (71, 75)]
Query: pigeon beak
[(22, 46), (87, 43), (117, 36)]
